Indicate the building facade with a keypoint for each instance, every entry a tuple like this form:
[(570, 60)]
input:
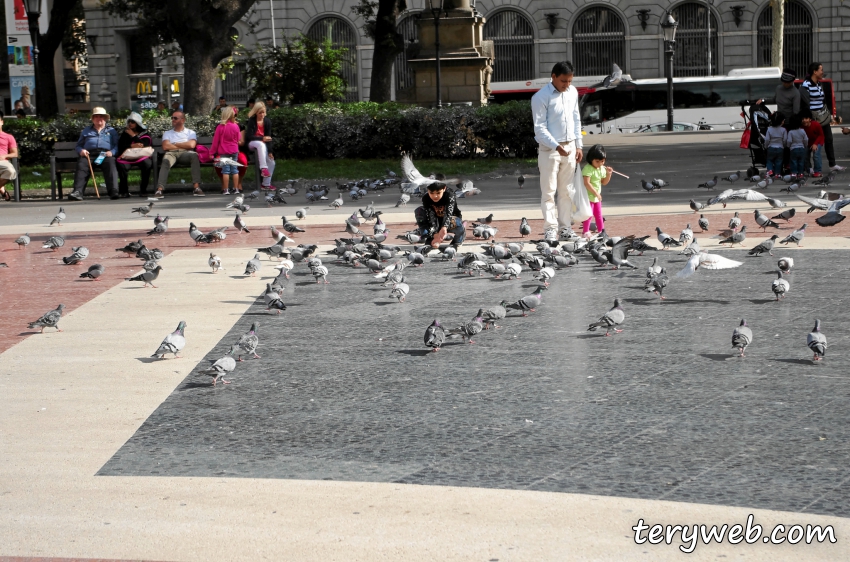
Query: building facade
[(531, 35)]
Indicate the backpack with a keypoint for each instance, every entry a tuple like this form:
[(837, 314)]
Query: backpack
[(204, 154)]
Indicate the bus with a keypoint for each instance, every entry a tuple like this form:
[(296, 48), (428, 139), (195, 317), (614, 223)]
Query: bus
[(712, 102)]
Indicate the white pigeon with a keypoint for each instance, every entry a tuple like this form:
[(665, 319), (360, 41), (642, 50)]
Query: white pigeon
[(225, 161), (413, 179), (706, 261), (612, 80), (214, 262)]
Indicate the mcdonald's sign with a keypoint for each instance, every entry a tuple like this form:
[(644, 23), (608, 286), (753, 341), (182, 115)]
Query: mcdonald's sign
[(143, 87)]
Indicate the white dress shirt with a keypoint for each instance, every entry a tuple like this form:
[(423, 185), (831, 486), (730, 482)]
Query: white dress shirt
[(557, 117)]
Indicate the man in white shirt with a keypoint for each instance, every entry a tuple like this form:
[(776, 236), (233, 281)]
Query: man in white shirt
[(179, 145), (557, 129)]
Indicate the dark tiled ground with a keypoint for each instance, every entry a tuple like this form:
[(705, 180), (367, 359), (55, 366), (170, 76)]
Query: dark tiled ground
[(345, 390)]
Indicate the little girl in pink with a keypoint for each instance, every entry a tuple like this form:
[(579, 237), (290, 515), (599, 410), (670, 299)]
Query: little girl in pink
[(226, 144), (595, 175)]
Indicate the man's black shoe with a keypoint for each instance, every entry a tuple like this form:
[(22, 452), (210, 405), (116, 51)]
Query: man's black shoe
[(75, 196), (114, 196)]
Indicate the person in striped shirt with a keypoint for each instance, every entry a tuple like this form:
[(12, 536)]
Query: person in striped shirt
[(813, 98)]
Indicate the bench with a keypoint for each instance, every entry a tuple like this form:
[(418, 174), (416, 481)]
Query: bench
[(207, 142), (17, 181)]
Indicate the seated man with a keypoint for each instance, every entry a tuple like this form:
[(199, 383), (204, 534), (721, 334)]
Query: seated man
[(8, 150), (179, 145), (98, 139), (439, 215)]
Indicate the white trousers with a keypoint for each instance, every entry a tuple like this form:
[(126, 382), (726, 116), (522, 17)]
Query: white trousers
[(557, 174), (263, 158)]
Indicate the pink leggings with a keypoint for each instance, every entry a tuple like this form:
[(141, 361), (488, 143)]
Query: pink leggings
[(597, 214)]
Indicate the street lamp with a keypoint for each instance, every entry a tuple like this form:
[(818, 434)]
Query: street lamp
[(668, 28), (33, 13), (436, 7)]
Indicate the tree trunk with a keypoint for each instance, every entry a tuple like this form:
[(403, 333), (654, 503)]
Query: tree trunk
[(45, 86), (778, 7), (200, 60), (388, 44)]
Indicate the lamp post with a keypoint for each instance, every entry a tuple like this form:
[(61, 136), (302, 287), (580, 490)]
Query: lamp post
[(33, 13), (436, 7), (668, 28)]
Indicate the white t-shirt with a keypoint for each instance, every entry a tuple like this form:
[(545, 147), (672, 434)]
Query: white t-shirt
[(174, 137)]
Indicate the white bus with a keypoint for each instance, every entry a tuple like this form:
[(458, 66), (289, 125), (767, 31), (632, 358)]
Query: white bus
[(709, 102)]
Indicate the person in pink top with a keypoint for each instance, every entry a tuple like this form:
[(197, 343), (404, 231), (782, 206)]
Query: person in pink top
[(8, 150), (226, 145)]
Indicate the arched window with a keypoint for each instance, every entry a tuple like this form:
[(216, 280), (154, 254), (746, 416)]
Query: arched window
[(513, 43), (341, 35), (403, 73), (691, 56), (599, 40), (796, 39)]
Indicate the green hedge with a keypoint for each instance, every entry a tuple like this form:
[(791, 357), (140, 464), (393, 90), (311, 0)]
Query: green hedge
[(357, 130)]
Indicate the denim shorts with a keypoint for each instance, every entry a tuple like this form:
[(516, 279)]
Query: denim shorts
[(229, 170)]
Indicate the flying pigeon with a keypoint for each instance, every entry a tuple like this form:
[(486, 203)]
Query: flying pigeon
[(706, 261), (785, 215), (80, 253), (703, 223), (60, 216), (610, 319), (22, 241), (766, 246), (49, 320), (816, 341), (796, 236), (833, 214), (248, 343), (94, 272), (780, 286), (226, 364), (173, 342), (148, 277), (214, 262), (54, 242), (612, 80), (413, 180), (736, 238), (253, 266), (742, 336), (435, 335), (763, 221)]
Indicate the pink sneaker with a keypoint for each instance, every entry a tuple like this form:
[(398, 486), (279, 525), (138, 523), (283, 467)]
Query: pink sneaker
[(265, 173), (270, 187)]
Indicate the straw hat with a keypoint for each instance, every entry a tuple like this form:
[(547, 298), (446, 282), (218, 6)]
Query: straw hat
[(137, 119), (99, 111)]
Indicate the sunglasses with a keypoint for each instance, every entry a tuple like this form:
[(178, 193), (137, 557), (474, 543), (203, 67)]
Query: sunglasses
[(175, 118)]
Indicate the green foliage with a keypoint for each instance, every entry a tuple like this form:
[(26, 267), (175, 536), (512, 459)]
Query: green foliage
[(301, 71), (367, 9), (362, 130), (74, 40)]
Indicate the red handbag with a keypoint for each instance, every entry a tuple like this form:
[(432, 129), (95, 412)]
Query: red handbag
[(745, 138)]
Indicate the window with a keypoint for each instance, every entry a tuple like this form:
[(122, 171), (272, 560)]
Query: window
[(691, 56), (796, 39), (403, 73), (140, 53), (599, 41), (341, 35), (234, 87), (513, 43)]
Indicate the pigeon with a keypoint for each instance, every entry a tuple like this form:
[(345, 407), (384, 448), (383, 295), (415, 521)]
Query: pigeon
[(785, 215), (545, 275), (54, 242), (826, 180), (610, 319), (403, 199), (742, 337), (225, 161), (785, 264), (197, 235), (157, 219), (648, 186), (22, 241), (520, 180), (144, 210), (253, 266), (638, 245), (653, 269), (736, 238), (763, 221), (435, 335), (612, 80), (150, 265), (796, 236), (833, 214), (468, 330), (524, 228), (302, 213), (380, 226), (149, 253), (736, 195), (691, 249), (658, 282), (60, 216), (816, 341), (94, 272), (272, 299), (320, 273), (766, 246), (709, 184), (160, 229), (665, 239), (486, 220), (706, 261), (49, 320), (696, 206), (703, 223), (659, 183), (248, 343), (780, 286), (131, 248), (400, 291), (214, 262), (173, 342), (735, 221), (528, 303), (290, 227), (274, 251), (732, 178), (794, 186), (686, 235), (490, 316), (336, 203), (240, 224), (413, 180), (147, 277), (237, 202), (220, 368), (776, 203), (80, 253), (618, 257), (512, 270)]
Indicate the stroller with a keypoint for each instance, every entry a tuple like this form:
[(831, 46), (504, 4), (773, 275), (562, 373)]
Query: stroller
[(755, 128)]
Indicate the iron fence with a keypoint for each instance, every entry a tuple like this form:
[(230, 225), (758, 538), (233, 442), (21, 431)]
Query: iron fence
[(691, 55), (513, 43), (341, 35), (796, 37), (599, 40), (235, 86)]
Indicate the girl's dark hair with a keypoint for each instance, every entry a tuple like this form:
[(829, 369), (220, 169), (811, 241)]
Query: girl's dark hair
[(806, 113), (596, 152), (436, 186), (813, 67), (793, 123), (777, 119)]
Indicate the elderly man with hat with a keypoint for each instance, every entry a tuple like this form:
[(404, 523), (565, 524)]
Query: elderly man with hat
[(787, 96), (134, 149), (98, 139)]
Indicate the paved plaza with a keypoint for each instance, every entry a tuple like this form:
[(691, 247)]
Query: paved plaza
[(350, 440)]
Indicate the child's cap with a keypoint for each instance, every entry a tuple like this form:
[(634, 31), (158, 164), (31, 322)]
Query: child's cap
[(436, 186)]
